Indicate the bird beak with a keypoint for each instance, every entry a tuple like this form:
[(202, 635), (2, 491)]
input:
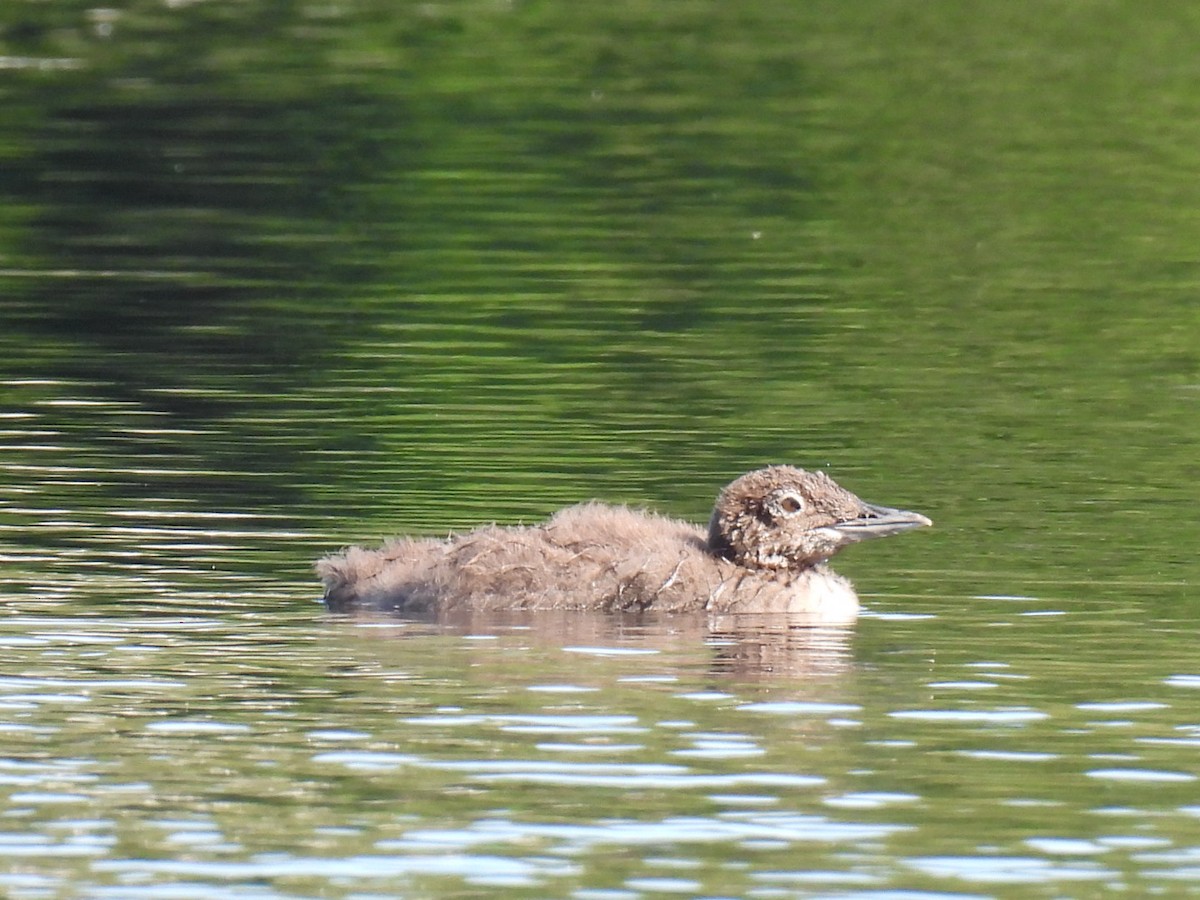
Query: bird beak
[(879, 521)]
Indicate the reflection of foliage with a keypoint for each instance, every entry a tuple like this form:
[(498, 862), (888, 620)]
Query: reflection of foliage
[(199, 157), (189, 186), (174, 183), (213, 189), (466, 248)]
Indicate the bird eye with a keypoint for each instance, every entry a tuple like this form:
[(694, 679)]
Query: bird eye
[(789, 503)]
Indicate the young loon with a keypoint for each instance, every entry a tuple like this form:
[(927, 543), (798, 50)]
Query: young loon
[(764, 551)]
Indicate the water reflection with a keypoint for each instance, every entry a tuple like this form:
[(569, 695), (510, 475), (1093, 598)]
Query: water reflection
[(1008, 870), (281, 275), (516, 754), (742, 647)]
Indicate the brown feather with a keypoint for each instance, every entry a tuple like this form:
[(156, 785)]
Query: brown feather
[(764, 550)]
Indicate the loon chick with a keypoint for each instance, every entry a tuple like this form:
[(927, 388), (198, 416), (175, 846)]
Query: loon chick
[(764, 551)]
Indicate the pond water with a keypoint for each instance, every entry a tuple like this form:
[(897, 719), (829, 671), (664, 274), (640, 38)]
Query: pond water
[(276, 278)]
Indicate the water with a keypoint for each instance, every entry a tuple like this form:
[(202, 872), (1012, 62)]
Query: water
[(272, 752), (277, 279)]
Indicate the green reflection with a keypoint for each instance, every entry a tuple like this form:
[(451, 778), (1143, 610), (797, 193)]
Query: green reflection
[(412, 267)]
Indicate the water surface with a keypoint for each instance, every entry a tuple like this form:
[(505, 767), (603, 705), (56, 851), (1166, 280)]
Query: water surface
[(277, 278)]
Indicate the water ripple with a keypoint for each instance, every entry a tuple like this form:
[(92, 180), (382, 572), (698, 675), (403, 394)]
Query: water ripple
[(622, 775), (1012, 716), (1007, 869), (785, 827)]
